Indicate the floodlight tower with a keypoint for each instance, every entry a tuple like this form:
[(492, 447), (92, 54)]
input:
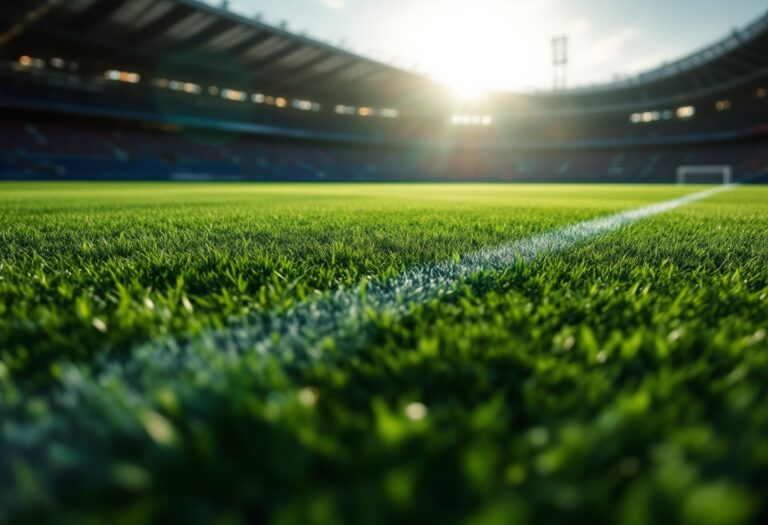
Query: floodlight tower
[(560, 62)]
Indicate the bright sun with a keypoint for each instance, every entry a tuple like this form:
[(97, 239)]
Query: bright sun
[(474, 47)]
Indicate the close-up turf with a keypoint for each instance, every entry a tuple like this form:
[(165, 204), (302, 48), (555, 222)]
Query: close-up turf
[(391, 353)]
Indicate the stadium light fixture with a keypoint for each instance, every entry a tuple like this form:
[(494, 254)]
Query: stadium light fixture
[(647, 117), (122, 76), (233, 95), (723, 105), (192, 89), (131, 78), (28, 61), (305, 105), (177, 85), (686, 112), (471, 120)]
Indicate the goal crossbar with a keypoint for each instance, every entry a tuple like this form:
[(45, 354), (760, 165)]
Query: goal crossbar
[(683, 172)]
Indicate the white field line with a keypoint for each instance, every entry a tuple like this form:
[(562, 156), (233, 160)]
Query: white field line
[(302, 333)]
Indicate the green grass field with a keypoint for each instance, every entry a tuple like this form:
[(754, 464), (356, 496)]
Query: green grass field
[(623, 380)]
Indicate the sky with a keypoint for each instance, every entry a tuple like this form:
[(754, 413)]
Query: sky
[(485, 45)]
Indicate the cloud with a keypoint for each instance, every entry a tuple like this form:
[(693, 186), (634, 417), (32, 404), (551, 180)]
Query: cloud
[(609, 49), (334, 4), (578, 28)]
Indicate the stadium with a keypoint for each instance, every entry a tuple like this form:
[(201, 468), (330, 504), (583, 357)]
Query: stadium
[(248, 276)]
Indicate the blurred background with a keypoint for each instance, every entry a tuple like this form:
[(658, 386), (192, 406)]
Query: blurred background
[(346, 90)]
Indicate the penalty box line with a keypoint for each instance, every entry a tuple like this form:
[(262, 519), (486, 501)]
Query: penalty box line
[(305, 332)]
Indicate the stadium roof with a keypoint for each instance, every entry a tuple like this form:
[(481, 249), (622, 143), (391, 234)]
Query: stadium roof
[(203, 39), (209, 43)]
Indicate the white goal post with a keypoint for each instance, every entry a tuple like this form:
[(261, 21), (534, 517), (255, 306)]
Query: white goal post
[(723, 173)]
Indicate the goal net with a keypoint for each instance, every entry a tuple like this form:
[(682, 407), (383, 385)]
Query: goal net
[(704, 174)]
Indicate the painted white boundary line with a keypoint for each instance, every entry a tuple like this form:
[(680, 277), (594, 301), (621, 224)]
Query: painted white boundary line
[(300, 333)]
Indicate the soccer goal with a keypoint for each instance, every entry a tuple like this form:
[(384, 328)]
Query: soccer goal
[(701, 174)]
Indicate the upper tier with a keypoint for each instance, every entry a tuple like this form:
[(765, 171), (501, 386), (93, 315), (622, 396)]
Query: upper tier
[(183, 61)]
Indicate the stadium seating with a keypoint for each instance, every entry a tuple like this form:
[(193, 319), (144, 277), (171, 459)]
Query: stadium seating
[(33, 149)]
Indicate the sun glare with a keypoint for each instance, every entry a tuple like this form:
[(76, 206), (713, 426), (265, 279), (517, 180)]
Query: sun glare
[(474, 47), (466, 91)]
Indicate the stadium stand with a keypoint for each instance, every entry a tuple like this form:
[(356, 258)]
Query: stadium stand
[(180, 90)]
